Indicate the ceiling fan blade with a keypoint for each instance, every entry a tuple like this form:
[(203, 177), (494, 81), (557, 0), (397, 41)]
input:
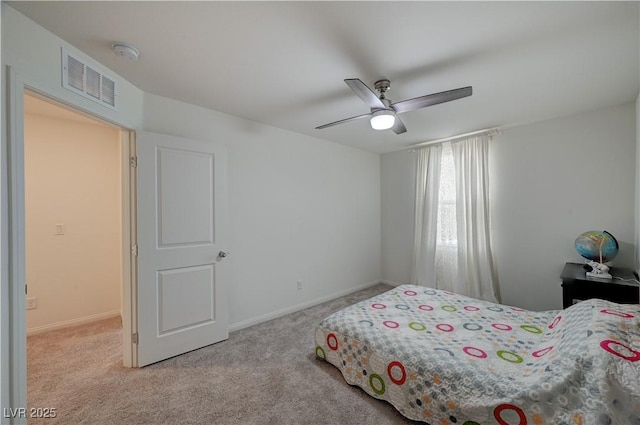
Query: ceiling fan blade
[(342, 121), (398, 126), (431, 99), (365, 93)]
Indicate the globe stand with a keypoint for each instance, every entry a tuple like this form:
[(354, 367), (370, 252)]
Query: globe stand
[(598, 270), (598, 275)]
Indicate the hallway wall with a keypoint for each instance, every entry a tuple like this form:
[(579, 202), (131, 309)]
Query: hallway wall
[(72, 178)]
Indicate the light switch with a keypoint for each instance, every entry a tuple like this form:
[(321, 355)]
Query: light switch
[(59, 229), (32, 303)]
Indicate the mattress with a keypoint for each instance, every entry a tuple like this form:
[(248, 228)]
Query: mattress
[(443, 358)]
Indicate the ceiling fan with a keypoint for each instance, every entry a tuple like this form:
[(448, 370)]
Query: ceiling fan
[(384, 114)]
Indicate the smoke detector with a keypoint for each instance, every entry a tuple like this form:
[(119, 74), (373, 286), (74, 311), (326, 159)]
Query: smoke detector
[(126, 50)]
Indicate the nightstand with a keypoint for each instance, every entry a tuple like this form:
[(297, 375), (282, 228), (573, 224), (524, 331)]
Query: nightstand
[(576, 286)]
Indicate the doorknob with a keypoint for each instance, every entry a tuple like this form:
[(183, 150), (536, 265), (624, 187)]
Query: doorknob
[(222, 254)]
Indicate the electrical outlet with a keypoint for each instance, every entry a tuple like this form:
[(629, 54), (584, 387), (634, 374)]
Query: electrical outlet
[(32, 303), (59, 229), (299, 285)]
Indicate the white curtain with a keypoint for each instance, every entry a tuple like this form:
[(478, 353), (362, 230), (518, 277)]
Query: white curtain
[(476, 271), (426, 215), (452, 243)]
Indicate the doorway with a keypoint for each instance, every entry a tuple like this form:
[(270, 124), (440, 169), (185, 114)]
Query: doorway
[(72, 217)]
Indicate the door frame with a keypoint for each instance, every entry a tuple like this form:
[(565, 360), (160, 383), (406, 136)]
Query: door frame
[(13, 366), (14, 333)]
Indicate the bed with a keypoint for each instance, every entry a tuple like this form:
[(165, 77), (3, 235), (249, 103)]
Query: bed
[(443, 358)]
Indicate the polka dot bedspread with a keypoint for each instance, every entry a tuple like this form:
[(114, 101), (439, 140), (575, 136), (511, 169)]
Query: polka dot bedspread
[(443, 358)]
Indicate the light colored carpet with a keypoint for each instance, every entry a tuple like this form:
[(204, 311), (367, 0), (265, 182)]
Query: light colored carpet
[(265, 374)]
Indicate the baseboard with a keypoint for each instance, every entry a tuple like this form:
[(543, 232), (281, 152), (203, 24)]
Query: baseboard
[(73, 322), (391, 282), (283, 312)]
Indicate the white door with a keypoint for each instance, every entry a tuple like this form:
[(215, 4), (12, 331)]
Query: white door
[(182, 227)]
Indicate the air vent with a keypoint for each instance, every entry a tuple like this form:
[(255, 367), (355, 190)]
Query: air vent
[(87, 81), (109, 91), (75, 73), (93, 83)]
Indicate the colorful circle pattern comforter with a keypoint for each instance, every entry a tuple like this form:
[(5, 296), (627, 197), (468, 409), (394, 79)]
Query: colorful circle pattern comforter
[(443, 358)]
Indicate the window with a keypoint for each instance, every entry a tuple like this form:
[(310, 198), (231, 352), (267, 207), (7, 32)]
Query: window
[(447, 229)]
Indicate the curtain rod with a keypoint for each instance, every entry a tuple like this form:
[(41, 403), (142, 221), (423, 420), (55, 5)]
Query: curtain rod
[(488, 131)]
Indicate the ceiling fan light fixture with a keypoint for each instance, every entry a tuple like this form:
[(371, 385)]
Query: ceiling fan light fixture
[(382, 119)]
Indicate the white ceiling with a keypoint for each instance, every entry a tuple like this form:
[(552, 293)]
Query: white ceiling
[(283, 63)]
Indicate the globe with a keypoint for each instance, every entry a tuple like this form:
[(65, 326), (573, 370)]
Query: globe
[(598, 246)]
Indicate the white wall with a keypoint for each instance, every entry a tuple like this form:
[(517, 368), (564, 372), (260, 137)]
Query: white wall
[(301, 209), (72, 177), (5, 399), (637, 192), (398, 197), (550, 182), (637, 189)]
